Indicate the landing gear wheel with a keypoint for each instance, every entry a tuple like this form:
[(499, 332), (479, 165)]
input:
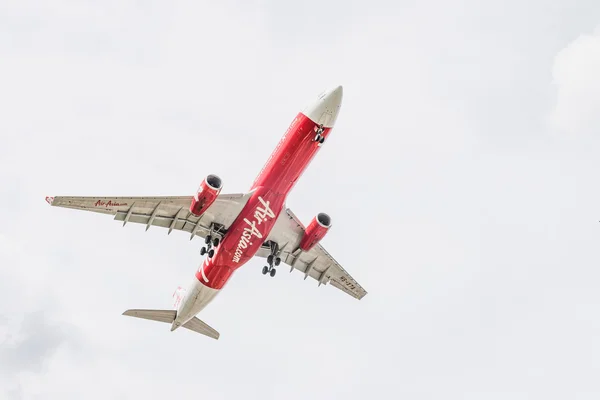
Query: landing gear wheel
[(277, 261), (216, 242), (322, 140), (270, 259), (211, 253), (203, 251), (265, 270), (207, 239), (273, 271), (318, 137)]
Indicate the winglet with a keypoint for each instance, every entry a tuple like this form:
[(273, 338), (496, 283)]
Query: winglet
[(49, 199)]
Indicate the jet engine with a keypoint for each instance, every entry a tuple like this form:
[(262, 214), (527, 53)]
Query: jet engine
[(315, 231), (207, 193)]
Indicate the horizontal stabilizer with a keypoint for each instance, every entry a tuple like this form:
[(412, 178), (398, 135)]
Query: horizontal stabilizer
[(201, 327), (167, 316)]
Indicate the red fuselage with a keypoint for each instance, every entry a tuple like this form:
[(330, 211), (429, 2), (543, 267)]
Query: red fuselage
[(284, 167), (250, 229), (244, 238)]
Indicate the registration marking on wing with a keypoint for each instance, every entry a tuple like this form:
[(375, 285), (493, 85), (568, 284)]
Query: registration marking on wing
[(347, 282)]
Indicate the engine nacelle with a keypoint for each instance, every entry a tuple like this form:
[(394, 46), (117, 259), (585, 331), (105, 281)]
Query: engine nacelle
[(207, 193), (315, 231)]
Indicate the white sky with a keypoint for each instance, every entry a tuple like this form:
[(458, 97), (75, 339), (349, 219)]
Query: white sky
[(462, 178)]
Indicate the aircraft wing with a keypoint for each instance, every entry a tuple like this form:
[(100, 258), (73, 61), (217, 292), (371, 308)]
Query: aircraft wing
[(165, 211), (316, 263)]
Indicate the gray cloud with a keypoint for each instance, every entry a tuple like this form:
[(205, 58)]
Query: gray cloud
[(37, 340), (30, 349)]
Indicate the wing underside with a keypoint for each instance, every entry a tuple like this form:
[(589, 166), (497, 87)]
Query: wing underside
[(316, 263), (171, 212)]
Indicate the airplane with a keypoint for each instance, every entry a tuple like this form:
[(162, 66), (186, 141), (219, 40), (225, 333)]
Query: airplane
[(237, 227)]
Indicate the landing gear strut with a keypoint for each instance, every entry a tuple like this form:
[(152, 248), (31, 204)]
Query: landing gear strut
[(210, 242), (319, 138), (272, 259)]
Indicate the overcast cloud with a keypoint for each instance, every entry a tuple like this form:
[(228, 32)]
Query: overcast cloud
[(462, 179)]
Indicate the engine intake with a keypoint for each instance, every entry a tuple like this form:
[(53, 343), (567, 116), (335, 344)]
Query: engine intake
[(207, 193), (315, 231), (324, 220)]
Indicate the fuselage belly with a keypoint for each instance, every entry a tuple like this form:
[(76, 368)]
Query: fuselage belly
[(245, 236)]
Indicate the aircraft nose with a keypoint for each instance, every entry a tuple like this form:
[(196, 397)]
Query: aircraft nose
[(338, 93), (325, 110)]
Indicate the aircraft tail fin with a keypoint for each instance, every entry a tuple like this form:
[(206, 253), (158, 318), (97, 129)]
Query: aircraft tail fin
[(168, 316)]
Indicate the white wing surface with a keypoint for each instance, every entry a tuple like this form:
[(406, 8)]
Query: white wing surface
[(316, 263), (166, 211), (172, 212)]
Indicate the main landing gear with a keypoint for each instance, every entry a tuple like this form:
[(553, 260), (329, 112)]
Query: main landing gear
[(319, 138), (272, 259), (210, 242)]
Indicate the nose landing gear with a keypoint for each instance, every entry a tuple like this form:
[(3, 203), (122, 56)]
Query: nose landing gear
[(319, 138)]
